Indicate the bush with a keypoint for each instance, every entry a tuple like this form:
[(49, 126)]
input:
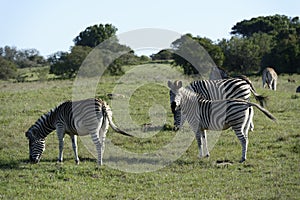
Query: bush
[(7, 69)]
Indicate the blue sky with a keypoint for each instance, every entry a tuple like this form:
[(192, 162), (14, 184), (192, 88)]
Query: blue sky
[(51, 26)]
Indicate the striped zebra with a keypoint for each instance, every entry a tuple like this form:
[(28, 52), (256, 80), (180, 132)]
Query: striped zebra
[(89, 116), (232, 88), (269, 78), (203, 115)]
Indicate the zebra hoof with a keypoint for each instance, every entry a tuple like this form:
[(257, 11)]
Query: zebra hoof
[(176, 128), (100, 163), (242, 160), (59, 161), (207, 155), (77, 162)]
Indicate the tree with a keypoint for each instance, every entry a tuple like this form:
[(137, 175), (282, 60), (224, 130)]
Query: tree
[(196, 55), (29, 58), (94, 35), (67, 64), (165, 54), (269, 24), (285, 56), (278, 41), (7, 69), (244, 55)]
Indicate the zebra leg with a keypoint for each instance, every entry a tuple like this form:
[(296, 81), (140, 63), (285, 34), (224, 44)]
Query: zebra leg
[(244, 142), (241, 131), (274, 85), (204, 139), (96, 140), (251, 119), (75, 149), (198, 138), (60, 135), (102, 133)]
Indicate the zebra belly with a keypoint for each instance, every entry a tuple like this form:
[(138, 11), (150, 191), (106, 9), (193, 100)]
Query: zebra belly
[(88, 126)]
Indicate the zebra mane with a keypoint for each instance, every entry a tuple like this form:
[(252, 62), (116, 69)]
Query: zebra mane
[(35, 132)]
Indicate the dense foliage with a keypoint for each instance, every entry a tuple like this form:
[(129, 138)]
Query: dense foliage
[(268, 41), (255, 44), (194, 54), (92, 36), (7, 69), (109, 54)]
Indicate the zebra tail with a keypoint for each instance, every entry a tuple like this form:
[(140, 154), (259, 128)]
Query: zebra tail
[(261, 99), (112, 124), (265, 111)]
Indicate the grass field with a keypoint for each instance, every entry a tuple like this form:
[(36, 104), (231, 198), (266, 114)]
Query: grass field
[(272, 170)]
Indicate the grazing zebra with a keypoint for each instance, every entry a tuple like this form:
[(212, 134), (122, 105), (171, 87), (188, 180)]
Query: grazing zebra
[(218, 73), (203, 115), (232, 88), (269, 77), (89, 116)]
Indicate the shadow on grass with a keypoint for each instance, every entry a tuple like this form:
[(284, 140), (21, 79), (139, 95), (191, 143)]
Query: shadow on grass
[(22, 163), (12, 164)]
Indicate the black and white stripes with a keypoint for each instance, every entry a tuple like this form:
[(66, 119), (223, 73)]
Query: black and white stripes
[(204, 115), (232, 88), (90, 116)]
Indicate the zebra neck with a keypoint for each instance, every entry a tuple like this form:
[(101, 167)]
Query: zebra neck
[(45, 124), (190, 96)]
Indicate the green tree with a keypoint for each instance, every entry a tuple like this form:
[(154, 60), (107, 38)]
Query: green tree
[(244, 55), (94, 35), (278, 39), (196, 55), (285, 56), (165, 54), (65, 64), (269, 24), (7, 69)]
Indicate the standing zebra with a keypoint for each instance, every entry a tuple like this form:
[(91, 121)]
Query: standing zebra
[(232, 88), (269, 77), (204, 115), (90, 116)]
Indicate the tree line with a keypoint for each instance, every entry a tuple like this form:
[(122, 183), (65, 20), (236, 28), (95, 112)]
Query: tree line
[(254, 44)]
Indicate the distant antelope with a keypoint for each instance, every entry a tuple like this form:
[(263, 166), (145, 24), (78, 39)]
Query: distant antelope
[(269, 77)]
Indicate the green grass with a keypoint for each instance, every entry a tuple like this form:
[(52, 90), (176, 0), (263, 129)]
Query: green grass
[(272, 170)]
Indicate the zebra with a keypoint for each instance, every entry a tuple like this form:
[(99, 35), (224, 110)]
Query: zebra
[(90, 116), (203, 114), (269, 78), (233, 88)]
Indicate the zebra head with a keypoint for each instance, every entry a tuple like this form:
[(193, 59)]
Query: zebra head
[(176, 113), (175, 101), (36, 147)]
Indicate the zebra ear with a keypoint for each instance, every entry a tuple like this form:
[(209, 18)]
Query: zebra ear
[(170, 84), (179, 84), (27, 134)]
